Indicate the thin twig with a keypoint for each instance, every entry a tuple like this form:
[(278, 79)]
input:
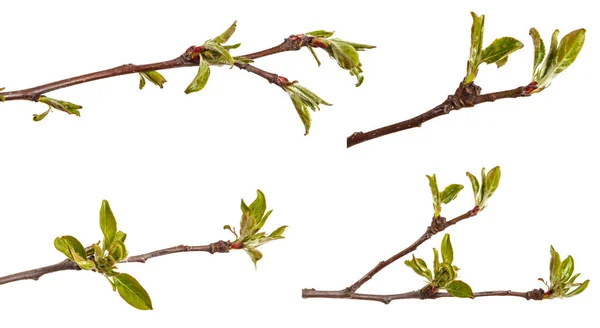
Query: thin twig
[(34, 274), (437, 224), (535, 294), (466, 95), (292, 43)]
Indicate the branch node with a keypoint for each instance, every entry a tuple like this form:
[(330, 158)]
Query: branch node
[(536, 295)]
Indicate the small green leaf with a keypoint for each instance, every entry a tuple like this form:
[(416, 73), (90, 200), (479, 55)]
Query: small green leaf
[(255, 254), (118, 251), (435, 193), (132, 292), (153, 76), (476, 35), (278, 233), (82, 261), (224, 37), (302, 111), (258, 207), (498, 51), (436, 261), (39, 117), (66, 244), (423, 267), (120, 236), (233, 46), (345, 54), (579, 289), (539, 50), (475, 186), (554, 266), (222, 51), (108, 224), (459, 289), (450, 193), (492, 179), (201, 78), (65, 106), (447, 251), (360, 46), (320, 33), (142, 81), (566, 269)]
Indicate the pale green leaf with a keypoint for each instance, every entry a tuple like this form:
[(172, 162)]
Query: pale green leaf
[(450, 193), (108, 224), (255, 254), (320, 33), (447, 251), (224, 37), (132, 292), (474, 185), (498, 51), (539, 50), (201, 77), (39, 117), (579, 289), (459, 289)]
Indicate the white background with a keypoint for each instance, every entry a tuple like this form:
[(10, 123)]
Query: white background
[(175, 166)]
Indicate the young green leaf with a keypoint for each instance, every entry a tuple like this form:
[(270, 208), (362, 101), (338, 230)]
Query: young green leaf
[(320, 33), (69, 245), (476, 36), (345, 54), (118, 251), (39, 117), (201, 77), (82, 261), (579, 289), (498, 51), (450, 193), (108, 224), (459, 289), (566, 269), (491, 182), (132, 292), (65, 106), (153, 76), (475, 186), (224, 37), (303, 99), (447, 251), (221, 51), (278, 233), (435, 193), (539, 50), (258, 208), (419, 267), (554, 266), (436, 261), (255, 254), (120, 236)]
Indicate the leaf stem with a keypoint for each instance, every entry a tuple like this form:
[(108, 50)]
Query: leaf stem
[(34, 274), (466, 95)]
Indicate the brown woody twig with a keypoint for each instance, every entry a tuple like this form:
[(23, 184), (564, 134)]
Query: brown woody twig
[(34, 274)]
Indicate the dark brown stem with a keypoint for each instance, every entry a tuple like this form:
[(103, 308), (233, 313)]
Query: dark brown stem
[(466, 95), (34, 274), (292, 43), (536, 294)]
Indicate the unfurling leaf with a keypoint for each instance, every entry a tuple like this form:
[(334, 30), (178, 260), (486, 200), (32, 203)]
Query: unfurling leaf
[(539, 50), (201, 77), (476, 36), (258, 208), (221, 51), (447, 251), (450, 193), (153, 76), (132, 292), (475, 186), (39, 117), (345, 54), (320, 33), (554, 266), (459, 289), (560, 56), (419, 267), (436, 261), (303, 99), (224, 37), (255, 254), (498, 51), (435, 193), (490, 184), (65, 106), (69, 244), (579, 289), (108, 224)]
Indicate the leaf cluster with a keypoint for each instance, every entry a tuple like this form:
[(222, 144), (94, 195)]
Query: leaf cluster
[(497, 52), (446, 196), (559, 57), (64, 106), (303, 100), (484, 190), (345, 53), (562, 280), (103, 259), (253, 219), (444, 272)]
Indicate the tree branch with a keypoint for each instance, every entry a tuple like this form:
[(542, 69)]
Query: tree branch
[(466, 95), (292, 43), (535, 294), (437, 224), (34, 274)]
